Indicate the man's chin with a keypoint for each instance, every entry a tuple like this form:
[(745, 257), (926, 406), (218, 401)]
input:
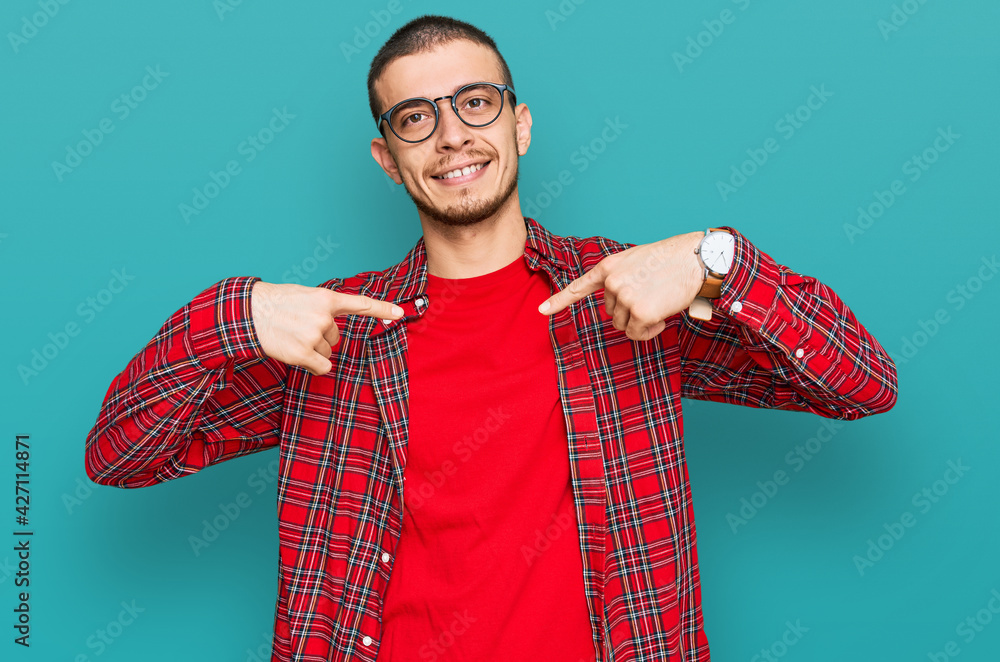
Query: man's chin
[(468, 212), (458, 216)]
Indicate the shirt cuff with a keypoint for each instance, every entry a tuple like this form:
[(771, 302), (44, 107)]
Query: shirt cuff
[(750, 287), (221, 323), (751, 294)]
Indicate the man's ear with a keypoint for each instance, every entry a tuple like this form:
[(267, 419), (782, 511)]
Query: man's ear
[(380, 152), (522, 118)]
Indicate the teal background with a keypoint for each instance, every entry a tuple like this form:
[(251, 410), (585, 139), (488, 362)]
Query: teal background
[(793, 561)]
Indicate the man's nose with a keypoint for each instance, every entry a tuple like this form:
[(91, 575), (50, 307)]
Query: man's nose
[(452, 132)]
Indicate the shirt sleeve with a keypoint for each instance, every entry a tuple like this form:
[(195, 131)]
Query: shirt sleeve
[(200, 392), (779, 339)]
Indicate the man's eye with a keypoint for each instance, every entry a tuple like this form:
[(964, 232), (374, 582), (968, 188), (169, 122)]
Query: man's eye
[(413, 118)]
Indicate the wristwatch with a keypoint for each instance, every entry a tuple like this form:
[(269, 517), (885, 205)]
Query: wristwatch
[(715, 250)]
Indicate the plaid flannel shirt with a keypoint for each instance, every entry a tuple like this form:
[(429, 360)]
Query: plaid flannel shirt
[(202, 391)]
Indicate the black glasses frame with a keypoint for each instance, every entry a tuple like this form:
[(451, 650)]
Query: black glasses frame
[(437, 113)]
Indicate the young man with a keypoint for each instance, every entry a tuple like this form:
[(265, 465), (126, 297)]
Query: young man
[(481, 447)]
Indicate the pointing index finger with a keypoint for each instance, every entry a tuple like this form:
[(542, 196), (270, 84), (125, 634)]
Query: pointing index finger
[(357, 304), (583, 286)]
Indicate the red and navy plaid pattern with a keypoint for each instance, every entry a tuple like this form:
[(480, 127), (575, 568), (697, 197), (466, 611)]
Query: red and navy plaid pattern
[(202, 391)]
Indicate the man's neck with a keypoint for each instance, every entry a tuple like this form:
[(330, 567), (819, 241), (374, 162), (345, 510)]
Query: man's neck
[(473, 250)]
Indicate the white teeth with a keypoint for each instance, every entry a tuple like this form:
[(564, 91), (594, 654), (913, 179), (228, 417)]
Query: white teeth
[(461, 171)]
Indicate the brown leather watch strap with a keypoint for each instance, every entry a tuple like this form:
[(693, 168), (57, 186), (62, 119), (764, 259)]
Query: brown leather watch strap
[(711, 288)]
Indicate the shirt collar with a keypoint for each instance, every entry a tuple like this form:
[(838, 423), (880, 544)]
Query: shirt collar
[(408, 279), (406, 282)]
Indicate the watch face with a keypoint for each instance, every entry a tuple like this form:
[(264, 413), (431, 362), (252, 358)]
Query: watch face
[(717, 250)]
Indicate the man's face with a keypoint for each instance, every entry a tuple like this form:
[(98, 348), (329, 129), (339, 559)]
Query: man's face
[(493, 149)]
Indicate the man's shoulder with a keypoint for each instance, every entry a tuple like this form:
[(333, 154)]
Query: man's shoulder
[(597, 244), (378, 283), (368, 283), (582, 253)]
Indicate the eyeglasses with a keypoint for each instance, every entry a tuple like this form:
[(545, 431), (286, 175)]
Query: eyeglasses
[(476, 104)]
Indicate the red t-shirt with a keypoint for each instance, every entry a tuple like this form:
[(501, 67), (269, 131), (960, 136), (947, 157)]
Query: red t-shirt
[(488, 565)]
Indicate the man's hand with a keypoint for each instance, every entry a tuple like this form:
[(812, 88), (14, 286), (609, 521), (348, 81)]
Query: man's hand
[(643, 285), (295, 324)]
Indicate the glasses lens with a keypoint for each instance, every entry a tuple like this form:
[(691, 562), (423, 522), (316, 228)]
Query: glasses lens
[(479, 105), (413, 120)]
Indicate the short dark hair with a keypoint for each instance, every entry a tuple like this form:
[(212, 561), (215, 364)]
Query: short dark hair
[(422, 34)]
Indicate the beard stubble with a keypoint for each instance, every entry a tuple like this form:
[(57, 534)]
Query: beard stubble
[(468, 211)]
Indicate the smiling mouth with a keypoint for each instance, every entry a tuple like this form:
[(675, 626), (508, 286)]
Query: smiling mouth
[(459, 172)]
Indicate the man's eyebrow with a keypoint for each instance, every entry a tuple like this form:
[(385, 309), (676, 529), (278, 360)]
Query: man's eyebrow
[(456, 89), (409, 103)]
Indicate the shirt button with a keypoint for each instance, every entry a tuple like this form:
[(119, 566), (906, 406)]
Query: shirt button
[(385, 557), (799, 353), (367, 641), (736, 307)]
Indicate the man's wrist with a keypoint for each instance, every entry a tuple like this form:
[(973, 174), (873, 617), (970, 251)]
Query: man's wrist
[(716, 252), (698, 277)]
